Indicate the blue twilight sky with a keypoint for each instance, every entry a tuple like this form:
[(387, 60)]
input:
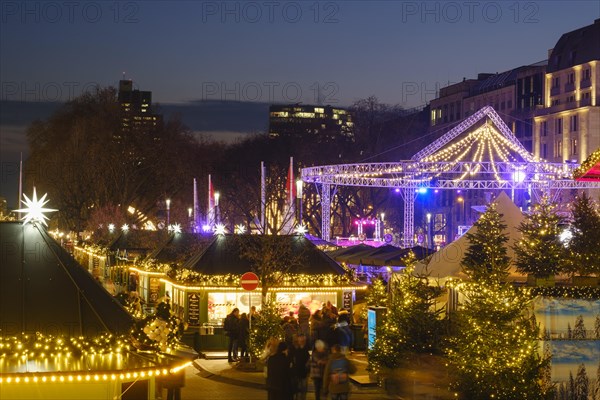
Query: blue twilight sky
[(254, 53), (272, 50)]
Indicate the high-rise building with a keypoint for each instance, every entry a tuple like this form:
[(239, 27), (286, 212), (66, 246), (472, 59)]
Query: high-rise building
[(567, 124), (136, 108), (325, 123)]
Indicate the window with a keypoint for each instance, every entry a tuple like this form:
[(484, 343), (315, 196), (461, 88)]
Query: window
[(571, 78), (555, 102), (558, 126), (558, 148), (573, 123), (544, 129), (509, 104), (586, 74), (570, 99), (573, 146), (556, 82), (544, 151)]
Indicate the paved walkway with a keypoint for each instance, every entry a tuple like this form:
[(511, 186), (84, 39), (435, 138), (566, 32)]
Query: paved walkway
[(414, 386)]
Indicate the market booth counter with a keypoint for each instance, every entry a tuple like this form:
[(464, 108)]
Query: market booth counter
[(207, 287)]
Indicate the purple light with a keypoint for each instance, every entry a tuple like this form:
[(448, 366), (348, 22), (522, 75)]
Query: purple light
[(206, 228), (458, 191), (397, 190), (435, 191)]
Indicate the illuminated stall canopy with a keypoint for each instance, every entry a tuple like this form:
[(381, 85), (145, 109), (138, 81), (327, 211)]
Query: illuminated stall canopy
[(209, 281), (62, 335)]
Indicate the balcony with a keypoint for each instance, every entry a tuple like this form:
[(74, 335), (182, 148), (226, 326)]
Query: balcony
[(563, 107), (569, 87), (555, 91), (585, 83)]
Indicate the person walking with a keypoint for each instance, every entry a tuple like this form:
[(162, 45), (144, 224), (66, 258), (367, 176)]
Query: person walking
[(336, 377), (232, 330), (300, 358), (279, 383), (318, 361)]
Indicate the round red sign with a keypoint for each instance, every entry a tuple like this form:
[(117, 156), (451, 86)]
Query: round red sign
[(249, 281)]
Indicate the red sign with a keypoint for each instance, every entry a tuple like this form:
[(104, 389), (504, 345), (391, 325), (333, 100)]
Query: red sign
[(249, 281)]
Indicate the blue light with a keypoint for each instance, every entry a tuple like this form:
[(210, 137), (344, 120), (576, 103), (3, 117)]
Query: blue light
[(422, 190)]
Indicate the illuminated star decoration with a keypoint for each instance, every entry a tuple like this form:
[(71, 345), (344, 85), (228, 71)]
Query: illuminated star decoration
[(240, 229), (125, 228), (111, 228), (301, 230), (175, 228), (220, 229), (34, 209)]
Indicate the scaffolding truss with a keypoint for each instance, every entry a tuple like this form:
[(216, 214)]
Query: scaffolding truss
[(487, 157)]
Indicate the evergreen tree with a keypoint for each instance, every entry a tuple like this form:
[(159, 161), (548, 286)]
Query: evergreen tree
[(582, 384), (579, 330), (376, 296), (597, 327), (569, 331), (486, 258), (562, 392), (495, 351), (412, 325), (265, 326), (572, 389), (540, 251), (583, 246)]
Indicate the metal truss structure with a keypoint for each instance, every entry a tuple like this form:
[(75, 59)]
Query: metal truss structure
[(420, 172)]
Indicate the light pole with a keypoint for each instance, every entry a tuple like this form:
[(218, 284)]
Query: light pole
[(168, 201), (299, 200), (429, 241), (217, 195)]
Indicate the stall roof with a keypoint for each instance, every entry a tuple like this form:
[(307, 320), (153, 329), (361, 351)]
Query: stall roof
[(179, 247), (223, 256), (43, 289)]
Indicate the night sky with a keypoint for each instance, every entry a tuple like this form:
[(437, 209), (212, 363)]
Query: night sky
[(264, 52)]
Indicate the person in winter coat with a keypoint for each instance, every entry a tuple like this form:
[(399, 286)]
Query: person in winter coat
[(232, 330), (299, 357), (318, 361), (336, 377), (244, 334), (279, 383), (303, 321)]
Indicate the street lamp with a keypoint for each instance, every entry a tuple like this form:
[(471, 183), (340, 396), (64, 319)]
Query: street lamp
[(168, 201), (429, 241), (299, 199)]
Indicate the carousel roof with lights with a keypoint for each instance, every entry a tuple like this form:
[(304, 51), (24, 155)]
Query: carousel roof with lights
[(223, 256), (589, 169)]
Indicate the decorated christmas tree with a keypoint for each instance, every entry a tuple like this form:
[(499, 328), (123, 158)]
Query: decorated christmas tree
[(540, 251), (486, 257), (376, 296), (412, 325), (494, 353), (583, 246), (265, 326)]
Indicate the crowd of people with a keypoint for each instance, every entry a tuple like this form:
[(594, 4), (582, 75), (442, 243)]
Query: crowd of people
[(290, 367), (314, 347)]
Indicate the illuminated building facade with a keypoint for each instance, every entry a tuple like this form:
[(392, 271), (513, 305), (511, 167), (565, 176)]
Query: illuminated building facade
[(326, 123), (567, 125), (136, 108)]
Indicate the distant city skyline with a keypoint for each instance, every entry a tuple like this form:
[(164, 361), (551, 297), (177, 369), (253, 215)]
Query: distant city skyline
[(311, 52)]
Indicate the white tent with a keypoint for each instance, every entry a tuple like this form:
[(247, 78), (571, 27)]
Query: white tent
[(446, 263)]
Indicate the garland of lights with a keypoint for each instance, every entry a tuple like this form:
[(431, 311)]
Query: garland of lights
[(190, 277), (592, 160)]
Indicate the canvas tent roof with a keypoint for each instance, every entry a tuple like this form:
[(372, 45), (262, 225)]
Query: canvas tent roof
[(223, 256), (446, 263), (43, 289)]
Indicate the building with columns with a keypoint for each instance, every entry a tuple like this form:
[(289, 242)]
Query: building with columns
[(567, 125)]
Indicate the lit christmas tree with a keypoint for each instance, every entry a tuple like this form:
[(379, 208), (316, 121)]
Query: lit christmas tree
[(486, 258), (376, 296), (583, 246), (265, 326), (540, 251), (412, 325), (495, 350)]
